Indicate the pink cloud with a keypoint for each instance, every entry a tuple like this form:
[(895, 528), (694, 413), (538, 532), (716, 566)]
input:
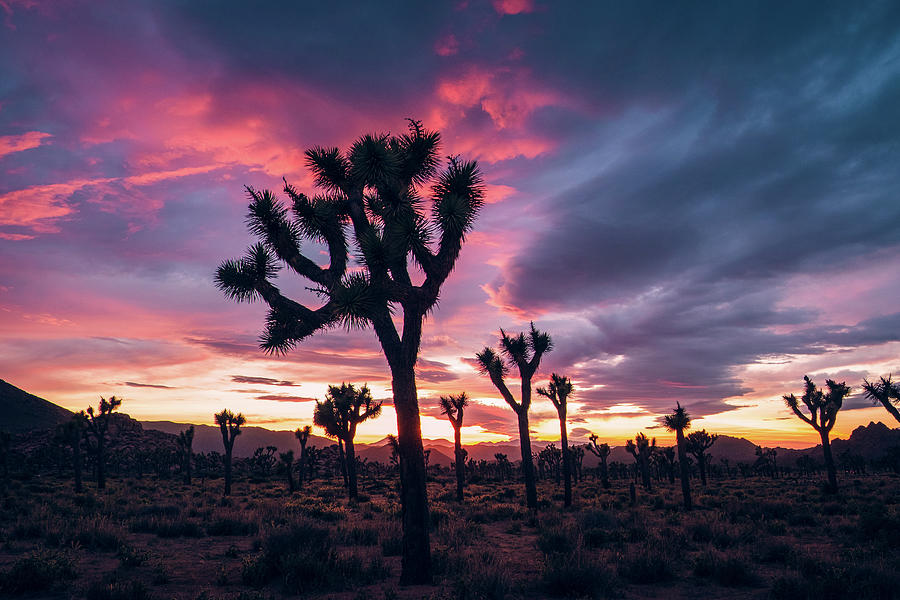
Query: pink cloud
[(19, 143), (513, 7), (447, 45)]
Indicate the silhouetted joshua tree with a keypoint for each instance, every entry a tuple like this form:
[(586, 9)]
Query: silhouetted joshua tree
[(678, 422), (885, 391), (641, 448), (71, 433), (230, 426), (666, 457), (302, 434), (185, 443), (286, 463), (558, 391), (601, 451), (374, 191), (453, 407), (97, 429), (525, 353), (823, 409), (343, 409), (697, 443)]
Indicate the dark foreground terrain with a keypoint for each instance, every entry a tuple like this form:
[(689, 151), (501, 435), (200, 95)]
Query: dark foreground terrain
[(747, 538)]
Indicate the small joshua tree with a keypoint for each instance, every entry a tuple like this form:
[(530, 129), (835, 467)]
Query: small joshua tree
[(343, 410), (678, 422), (453, 407), (230, 426), (697, 443), (185, 443), (601, 451), (885, 391), (558, 391), (302, 434), (823, 409), (286, 462), (71, 433), (666, 456), (97, 429), (525, 353), (641, 448)]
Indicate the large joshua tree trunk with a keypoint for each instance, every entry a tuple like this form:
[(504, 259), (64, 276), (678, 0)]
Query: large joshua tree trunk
[(416, 562), (567, 461), (350, 458), (460, 463), (829, 463), (527, 462), (701, 462), (76, 465), (101, 473), (685, 473), (228, 471)]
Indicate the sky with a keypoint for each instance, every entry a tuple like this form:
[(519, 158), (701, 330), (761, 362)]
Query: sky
[(698, 201)]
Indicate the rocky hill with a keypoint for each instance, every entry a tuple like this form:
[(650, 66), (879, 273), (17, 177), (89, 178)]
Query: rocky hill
[(21, 412)]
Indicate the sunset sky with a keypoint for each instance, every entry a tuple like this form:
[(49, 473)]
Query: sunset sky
[(699, 202)]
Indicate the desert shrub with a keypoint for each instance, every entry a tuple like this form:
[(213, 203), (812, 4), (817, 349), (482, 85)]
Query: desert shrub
[(775, 552), (730, 571), (557, 539), (97, 534), (392, 545), (130, 556), (802, 520), (304, 558), (117, 590), (473, 575), (39, 571), (836, 582), (576, 575), (168, 528), (231, 526), (438, 516), (647, 564), (881, 526), (359, 536)]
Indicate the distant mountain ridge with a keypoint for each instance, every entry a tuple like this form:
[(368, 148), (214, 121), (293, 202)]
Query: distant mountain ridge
[(24, 413), (21, 412), (208, 438)]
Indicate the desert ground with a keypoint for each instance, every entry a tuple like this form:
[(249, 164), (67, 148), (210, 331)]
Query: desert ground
[(747, 537)]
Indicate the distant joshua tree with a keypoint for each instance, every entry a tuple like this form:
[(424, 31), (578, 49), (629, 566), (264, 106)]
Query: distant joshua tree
[(641, 448), (558, 391), (343, 410), (823, 409), (678, 422), (525, 353), (885, 391), (185, 443), (666, 457), (302, 434), (230, 426), (453, 407), (697, 443), (601, 451), (286, 462), (97, 429), (71, 433)]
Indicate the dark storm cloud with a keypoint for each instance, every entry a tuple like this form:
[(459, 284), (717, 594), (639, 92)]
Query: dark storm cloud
[(261, 380), (763, 148), (147, 385)]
